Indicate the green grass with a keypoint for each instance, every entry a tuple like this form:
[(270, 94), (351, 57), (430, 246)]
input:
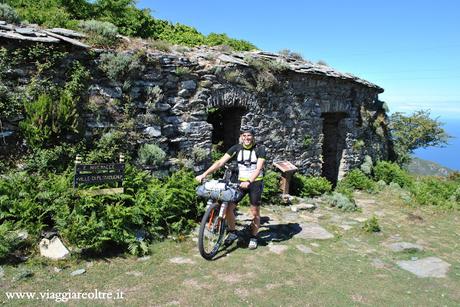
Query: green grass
[(338, 272)]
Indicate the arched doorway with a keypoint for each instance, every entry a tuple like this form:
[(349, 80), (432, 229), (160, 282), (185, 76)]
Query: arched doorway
[(226, 123), (333, 144)]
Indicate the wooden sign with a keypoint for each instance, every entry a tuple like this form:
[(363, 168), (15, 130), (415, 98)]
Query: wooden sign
[(285, 166), (99, 174), (287, 169)]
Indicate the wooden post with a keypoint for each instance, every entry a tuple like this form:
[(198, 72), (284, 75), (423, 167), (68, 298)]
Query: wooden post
[(77, 161), (287, 170)]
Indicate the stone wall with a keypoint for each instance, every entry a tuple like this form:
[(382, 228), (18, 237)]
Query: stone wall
[(172, 94)]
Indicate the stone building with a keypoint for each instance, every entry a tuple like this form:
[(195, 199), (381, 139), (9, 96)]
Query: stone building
[(187, 99)]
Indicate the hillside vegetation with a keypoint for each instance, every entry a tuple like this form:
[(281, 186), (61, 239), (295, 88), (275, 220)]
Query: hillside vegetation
[(129, 20)]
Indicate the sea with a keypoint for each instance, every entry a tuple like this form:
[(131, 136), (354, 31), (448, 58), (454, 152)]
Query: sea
[(448, 156)]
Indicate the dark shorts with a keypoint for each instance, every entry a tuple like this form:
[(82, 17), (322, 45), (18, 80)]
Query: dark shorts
[(254, 190)]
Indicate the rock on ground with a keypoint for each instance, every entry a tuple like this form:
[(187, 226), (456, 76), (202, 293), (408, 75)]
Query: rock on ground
[(78, 272), (304, 249), (277, 249), (404, 247), (53, 249), (427, 267), (313, 231)]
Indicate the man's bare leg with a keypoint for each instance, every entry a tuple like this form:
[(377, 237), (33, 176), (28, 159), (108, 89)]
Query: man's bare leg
[(231, 216), (255, 225)]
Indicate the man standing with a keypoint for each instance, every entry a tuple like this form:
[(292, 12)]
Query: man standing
[(250, 158)]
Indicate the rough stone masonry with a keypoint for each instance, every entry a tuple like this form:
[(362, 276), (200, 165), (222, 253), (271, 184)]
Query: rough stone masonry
[(187, 99)]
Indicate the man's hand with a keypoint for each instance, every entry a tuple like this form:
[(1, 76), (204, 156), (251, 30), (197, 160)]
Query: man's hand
[(245, 184), (200, 178)]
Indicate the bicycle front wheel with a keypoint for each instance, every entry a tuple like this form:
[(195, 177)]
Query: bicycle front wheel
[(211, 232)]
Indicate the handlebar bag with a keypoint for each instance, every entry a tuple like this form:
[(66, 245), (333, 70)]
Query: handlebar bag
[(219, 191)]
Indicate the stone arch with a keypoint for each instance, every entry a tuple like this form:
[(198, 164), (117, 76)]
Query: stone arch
[(227, 108)]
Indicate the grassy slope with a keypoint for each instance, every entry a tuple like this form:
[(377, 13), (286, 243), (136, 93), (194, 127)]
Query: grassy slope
[(339, 272)]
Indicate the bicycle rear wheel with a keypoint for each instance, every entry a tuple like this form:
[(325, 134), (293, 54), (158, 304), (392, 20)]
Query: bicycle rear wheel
[(211, 232)]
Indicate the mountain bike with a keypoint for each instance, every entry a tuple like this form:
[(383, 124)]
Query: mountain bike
[(213, 224)]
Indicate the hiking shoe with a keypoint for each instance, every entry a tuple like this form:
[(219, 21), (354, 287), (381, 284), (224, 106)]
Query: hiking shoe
[(252, 243), (231, 236)]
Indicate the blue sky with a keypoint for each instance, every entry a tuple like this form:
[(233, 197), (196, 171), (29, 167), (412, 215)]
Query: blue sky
[(410, 48)]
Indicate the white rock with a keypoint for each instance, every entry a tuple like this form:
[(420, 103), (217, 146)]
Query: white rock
[(304, 249), (78, 272), (277, 249), (427, 267), (313, 231), (53, 249), (404, 246)]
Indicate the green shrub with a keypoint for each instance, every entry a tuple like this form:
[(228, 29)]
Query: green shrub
[(182, 70), (121, 67), (307, 141), (372, 225), (8, 14), (356, 180), (56, 159), (53, 117), (32, 202), (8, 241), (391, 172), (151, 154), (436, 192), (272, 189), (47, 121), (160, 45), (341, 201), (367, 165), (308, 186), (199, 154), (108, 148), (100, 33), (291, 54), (10, 104)]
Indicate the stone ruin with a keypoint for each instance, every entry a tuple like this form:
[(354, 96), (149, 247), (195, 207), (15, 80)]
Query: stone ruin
[(323, 121)]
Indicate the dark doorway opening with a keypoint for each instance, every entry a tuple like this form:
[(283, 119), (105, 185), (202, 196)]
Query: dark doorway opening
[(226, 125), (333, 144)]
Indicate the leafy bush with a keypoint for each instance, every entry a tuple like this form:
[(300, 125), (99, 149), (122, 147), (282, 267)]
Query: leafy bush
[(308, 186), (53, 117), (182, 70), (100, 33), (272, 190), (291, 54), (356, 180), (49, 13), (437, 192), (341, 201), (120, 67), (151, 154), (8, 14), (8, 241), (391, 172), (367, 165), (32, 202), (372, 225), (160, 45), (48, 120), (108, 148), (56, 159), (199, 154)]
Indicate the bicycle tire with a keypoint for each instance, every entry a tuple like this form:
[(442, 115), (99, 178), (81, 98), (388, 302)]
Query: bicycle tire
[(211, 232)]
